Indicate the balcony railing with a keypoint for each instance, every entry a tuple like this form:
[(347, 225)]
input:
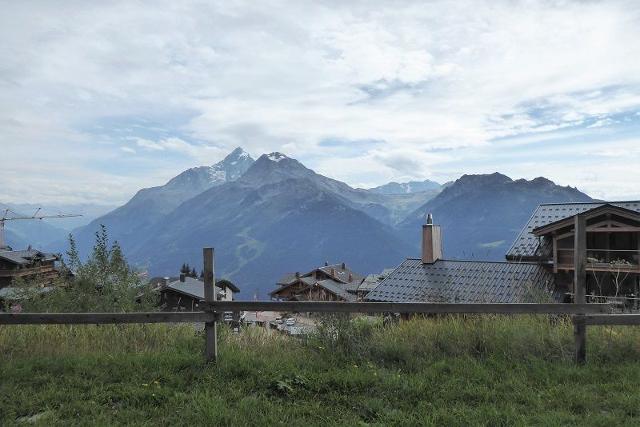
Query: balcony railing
[(603, 259)]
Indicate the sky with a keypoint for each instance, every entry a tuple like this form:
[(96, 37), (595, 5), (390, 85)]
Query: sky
[(100, 99)]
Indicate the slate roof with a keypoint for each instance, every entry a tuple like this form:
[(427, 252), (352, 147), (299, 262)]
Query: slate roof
[(191, 287), (287, 279), (372, 280), (464, 282), (26, 257), (337, 288), (340, 274), (527, 246)]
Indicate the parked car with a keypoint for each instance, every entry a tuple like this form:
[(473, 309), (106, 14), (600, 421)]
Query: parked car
[(291, 321), (279, 320)]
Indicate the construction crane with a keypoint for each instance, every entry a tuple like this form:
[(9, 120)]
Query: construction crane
[(36, 215)]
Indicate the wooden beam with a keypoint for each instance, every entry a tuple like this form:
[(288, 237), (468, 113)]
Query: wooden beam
[(101, 318), (403, 307), (211, 327), (580, 284)]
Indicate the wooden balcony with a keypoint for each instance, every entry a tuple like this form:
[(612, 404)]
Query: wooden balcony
[(22, 272), (614, 260)]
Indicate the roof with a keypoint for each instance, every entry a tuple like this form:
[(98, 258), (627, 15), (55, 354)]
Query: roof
[(287, 279), (337, 288), (526, 245), (193, 287), (464, 282), (224, 282), (606, 208), (372, 280), (27, 256), (341, 274)]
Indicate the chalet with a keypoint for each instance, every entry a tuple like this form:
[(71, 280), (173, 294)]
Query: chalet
[(613, 247), (327, 283), (539, 264), (26, 264), (186, 293)]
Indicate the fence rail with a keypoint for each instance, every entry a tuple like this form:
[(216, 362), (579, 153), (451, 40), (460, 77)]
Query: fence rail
[(404, 307), (102, 318)]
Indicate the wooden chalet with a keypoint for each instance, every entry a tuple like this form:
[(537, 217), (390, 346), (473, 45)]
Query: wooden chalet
[(27, 264), (333, 282), (539, 264)]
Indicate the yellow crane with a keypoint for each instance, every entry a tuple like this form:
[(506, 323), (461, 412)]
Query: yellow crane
[(7, 217)]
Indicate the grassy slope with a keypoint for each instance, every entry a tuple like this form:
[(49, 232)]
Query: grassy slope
[(440, 372)]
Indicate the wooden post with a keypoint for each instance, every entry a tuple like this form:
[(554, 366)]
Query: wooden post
[(210, 328), (580, 284)]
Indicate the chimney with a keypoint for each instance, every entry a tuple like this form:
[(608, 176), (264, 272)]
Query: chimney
[(182, 277), (431, 242), (166, 281), (343, 266), (297, 274)]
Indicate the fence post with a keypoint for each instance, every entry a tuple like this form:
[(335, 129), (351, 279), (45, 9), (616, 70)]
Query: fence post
[(580, 282), (210, 328)]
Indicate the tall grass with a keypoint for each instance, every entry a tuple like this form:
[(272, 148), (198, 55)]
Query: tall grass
[(405, 343), (521, 337)]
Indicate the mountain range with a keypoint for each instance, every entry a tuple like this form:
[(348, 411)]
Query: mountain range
[(274, 215)]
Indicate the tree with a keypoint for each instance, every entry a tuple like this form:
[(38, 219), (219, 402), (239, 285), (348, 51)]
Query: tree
[(104, 282)]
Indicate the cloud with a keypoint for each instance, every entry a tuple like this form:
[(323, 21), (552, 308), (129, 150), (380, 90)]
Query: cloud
[(440, 88)]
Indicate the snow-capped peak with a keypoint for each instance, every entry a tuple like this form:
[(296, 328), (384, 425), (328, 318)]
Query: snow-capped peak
[(276, 157)]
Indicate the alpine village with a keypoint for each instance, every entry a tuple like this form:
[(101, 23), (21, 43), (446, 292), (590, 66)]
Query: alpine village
[(536, 267)]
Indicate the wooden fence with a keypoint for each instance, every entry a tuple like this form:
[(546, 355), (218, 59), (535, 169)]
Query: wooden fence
[(212, 311)]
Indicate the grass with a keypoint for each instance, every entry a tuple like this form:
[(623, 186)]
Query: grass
[(448, 371)]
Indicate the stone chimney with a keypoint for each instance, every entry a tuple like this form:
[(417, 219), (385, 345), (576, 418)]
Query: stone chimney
[(431, 242), (343, 266), (182, 277)]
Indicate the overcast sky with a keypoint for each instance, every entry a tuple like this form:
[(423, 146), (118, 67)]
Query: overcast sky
[(99, 99)]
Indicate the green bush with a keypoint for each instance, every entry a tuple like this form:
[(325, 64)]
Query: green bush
[(105, 282)]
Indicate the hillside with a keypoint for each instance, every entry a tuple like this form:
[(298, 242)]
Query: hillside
[(481, 215)]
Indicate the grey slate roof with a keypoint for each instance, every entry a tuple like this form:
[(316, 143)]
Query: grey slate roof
[(26, 257), (340, 274), (372, 280), (526, 245), (287, 279), (191, 287), (464, 282), (338, 289)]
